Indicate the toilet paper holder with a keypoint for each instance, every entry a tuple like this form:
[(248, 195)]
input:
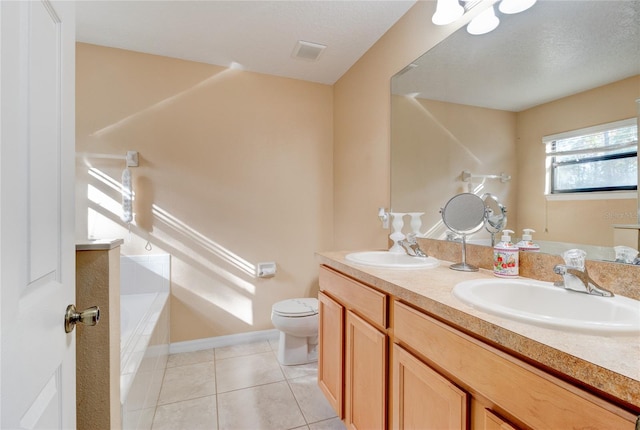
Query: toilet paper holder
[(266, 270)]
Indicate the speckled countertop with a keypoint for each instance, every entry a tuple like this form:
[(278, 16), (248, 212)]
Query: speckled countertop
[(609, 364), (98, 244)]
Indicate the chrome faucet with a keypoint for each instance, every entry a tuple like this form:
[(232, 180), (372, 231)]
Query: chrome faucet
[(410, 245), (578, 279)]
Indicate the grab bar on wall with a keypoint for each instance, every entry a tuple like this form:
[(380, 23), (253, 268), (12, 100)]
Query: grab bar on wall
[(467, 176), (131, 157)]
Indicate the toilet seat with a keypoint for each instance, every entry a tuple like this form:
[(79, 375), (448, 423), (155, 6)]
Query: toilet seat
[(296, 307)]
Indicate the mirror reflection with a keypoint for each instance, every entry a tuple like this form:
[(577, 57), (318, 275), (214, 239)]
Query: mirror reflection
[(472, 115), (464, 214), (496, 217)]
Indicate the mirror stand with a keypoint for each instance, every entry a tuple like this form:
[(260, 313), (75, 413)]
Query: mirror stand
[(463, 266)]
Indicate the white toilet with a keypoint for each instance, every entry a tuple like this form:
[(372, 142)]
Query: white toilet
[(297, 320)]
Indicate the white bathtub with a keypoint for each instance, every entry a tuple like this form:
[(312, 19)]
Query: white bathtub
[(135, 312), (144, 336)]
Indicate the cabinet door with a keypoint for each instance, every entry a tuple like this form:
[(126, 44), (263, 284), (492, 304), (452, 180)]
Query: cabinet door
[(494, 422), (422, 398), (365, 367), (331, 349)]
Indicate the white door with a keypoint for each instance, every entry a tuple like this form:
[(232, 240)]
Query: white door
[(37, 253)]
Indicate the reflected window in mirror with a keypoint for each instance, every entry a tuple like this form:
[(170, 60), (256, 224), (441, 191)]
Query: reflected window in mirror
[(594, 159)]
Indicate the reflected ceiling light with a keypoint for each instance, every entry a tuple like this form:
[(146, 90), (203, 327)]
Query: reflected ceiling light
[(447, 11), (515, 6), (484, 23)]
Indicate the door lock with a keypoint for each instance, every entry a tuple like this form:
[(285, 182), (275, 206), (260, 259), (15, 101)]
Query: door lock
[(89, 316)]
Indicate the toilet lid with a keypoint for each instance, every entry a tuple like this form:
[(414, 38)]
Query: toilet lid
[(296, 307)]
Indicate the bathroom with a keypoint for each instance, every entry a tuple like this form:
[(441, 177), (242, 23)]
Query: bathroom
[(292, 165), (237, 168)]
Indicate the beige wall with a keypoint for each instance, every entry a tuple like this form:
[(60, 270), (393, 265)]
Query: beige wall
[(433, 142), (584, 221), (235, 169), (362, 126)]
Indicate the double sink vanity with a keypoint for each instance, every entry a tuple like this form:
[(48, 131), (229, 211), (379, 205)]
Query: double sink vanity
[(429, 347)]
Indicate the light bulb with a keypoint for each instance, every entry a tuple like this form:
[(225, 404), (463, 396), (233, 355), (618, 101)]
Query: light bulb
[(447, 11), (515, 6), (484, 23)]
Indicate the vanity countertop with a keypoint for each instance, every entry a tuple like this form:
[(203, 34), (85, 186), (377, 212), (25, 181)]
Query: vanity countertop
[(609, 364), (98, 244)]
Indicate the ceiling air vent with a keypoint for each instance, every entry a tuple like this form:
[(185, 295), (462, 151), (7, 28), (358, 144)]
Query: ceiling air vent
[(307, 51)]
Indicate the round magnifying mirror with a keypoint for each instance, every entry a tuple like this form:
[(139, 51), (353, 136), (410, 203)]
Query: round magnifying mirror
[(464, 214), (496, 215)]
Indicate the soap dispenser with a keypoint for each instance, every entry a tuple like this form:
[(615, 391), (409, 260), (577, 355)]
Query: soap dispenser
[(505, 257), (527, 244)]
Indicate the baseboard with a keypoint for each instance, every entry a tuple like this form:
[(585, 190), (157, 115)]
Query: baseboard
[(220, 341)]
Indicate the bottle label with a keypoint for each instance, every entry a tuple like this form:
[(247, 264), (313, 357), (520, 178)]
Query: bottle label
[(505, 263), (528, 246)]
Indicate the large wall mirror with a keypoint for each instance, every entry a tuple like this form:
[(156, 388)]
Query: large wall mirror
[(470, 115)]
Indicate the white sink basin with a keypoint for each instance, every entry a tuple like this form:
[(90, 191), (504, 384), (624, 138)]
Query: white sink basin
[(543, 304), (391, 260)]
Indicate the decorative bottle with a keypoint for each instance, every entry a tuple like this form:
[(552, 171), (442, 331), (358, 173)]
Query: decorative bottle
[(527, 244), (505, 257)]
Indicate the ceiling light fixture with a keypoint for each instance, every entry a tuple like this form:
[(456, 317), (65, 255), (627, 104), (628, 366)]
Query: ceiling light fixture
[(447, 11), (515, 6), (484, 23)]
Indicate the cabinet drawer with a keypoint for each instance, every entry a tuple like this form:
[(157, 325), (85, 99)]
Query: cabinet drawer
[(537, 399), (363, 300)]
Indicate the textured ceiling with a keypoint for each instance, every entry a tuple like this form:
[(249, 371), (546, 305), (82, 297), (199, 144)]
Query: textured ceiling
[(260, 36), (554, 49)]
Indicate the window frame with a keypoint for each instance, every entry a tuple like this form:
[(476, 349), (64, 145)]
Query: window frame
[(551, 164)]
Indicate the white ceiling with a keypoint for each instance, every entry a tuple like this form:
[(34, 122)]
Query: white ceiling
[(260, 36), (554, 49)]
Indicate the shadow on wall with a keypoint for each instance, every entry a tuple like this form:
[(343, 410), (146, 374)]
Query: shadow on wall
[(221, 153), (167, 101), (193, 256)]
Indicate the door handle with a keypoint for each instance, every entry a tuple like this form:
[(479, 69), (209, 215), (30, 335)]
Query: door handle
[(89, 316)]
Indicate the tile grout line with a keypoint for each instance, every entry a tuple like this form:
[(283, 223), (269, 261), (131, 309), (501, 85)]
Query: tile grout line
[(297, 403), (155, 410)]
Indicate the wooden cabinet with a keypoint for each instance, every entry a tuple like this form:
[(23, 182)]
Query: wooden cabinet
[(352, 367), (523, 394), (385, 364), (422, 398)]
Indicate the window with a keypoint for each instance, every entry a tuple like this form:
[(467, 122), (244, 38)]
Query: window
[(600, 158)]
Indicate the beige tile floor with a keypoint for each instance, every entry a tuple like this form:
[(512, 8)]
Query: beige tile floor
[(241, 387)]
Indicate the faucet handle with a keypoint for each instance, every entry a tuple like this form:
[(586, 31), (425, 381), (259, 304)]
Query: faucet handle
[(411, 238), (575, 258), (410, 245)]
